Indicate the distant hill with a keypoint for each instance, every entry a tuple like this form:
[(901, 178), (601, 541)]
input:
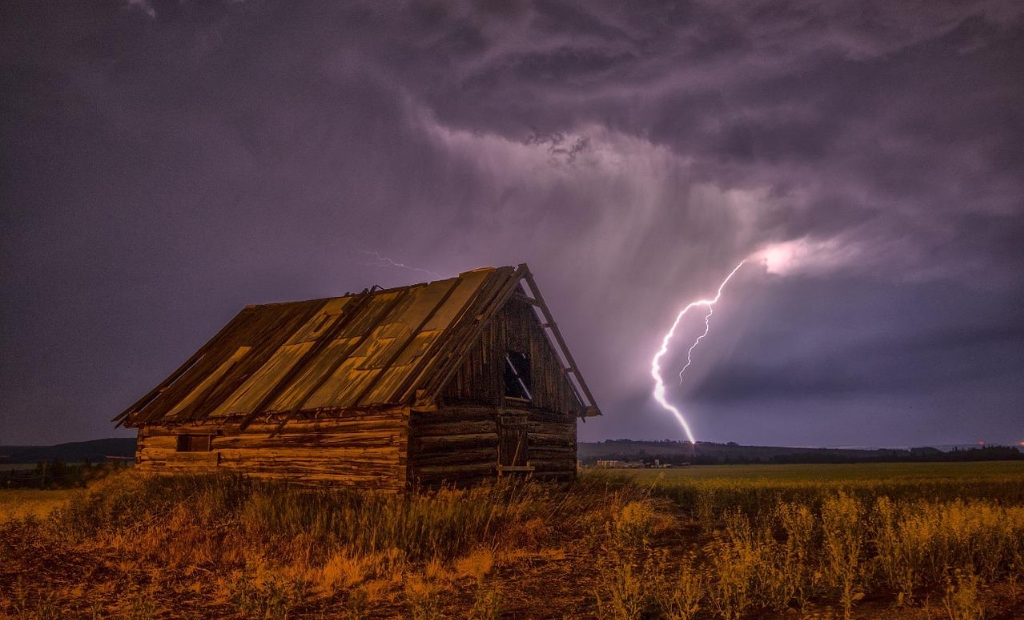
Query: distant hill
[(707, 453), (703, 453), (95, 451)]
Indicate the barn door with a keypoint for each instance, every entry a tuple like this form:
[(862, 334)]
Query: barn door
[(512, 440)]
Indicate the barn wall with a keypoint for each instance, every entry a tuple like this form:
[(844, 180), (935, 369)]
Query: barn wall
[(456, 445), (551, 444), (480, 380), (363, 449), (459, 442)]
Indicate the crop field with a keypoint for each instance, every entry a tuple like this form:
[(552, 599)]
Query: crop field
[(914, 541), (875, 472)]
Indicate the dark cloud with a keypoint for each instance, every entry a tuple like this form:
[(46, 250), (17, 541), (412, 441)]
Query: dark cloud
[(165, 163)]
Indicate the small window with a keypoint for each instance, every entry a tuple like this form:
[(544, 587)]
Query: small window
[(517, 375), (193, 443)]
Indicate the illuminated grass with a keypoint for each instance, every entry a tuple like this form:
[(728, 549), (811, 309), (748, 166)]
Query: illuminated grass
[(21, 503), (748, 542), (813, 474)]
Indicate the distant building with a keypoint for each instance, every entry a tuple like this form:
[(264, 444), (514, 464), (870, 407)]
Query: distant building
[(445, 382), (616, 464)]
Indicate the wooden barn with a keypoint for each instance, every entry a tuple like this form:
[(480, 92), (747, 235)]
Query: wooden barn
[(444, 382)]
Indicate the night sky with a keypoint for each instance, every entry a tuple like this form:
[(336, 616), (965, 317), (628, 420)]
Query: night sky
[(166, 163)]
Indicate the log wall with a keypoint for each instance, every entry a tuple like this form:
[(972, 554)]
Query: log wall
[(551, 444), (459, 443), (453, 445), (365, 449)]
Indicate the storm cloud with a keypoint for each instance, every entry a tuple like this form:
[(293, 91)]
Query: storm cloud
[(166, 163)]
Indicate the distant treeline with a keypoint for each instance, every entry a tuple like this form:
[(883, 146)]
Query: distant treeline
[(993, 453), (57, 474), (731, 454), (95, 450)]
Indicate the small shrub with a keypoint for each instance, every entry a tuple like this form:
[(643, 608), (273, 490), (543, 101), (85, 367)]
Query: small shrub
[(682, 597), (423, 598), (342, 571), (633, 523), (961, 598), (624, 592), (476, 564)]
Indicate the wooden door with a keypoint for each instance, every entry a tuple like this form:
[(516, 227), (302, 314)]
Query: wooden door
[(512, 440)]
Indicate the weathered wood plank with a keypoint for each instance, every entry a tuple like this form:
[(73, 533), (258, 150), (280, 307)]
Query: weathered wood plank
[(479, 456), (468, 427), (328, 442), (540, 415), (363, 470), (539, 439), (551, 428), (455, 414), (454, 473), (551, 453), (395, 416), (445, 442)]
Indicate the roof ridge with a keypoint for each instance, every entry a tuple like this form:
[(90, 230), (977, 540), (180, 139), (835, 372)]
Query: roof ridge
[(374, 289)]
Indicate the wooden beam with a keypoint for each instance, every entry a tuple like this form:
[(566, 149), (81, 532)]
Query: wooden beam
[(523, 298), (515, 469), (591, 404)]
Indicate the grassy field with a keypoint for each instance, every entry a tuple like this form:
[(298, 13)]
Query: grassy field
[(875, 472), (915, 541), (21, 503)]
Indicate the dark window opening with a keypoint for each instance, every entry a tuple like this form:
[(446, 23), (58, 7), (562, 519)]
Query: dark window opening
[(517, 375), (193, 443)]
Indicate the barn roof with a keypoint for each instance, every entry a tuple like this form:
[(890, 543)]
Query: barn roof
[(377, 347)]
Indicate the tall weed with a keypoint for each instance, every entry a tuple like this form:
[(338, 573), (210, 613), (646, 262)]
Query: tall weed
[(682, 597), (961, 600), (842, 539)]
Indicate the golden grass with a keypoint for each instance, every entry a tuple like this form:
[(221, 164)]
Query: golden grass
[(602, 547), (21, 503)]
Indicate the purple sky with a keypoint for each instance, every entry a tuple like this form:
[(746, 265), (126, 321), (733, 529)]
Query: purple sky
[(166, 163)]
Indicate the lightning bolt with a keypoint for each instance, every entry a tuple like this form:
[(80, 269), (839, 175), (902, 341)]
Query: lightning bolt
[(707, 328), (384, 261), (659, 385)]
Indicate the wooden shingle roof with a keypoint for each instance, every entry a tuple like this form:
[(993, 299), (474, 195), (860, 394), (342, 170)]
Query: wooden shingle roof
[(378, 347)]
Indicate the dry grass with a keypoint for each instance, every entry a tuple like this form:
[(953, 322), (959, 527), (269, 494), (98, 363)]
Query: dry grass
[(22, 503), (603, 547)]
